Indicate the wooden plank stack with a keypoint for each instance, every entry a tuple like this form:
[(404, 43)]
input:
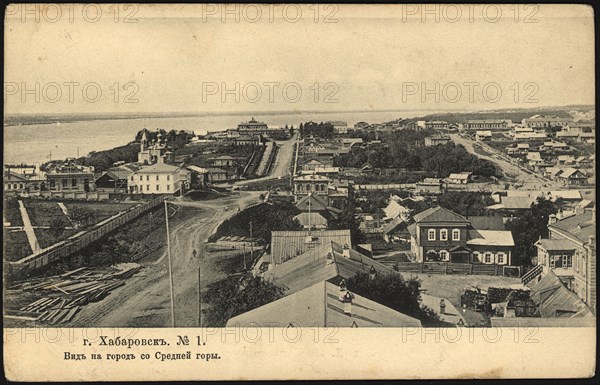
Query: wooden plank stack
[(68, 292)]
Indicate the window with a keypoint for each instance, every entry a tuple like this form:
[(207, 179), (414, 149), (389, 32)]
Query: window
[(443, 235), (488, 258), (52, 183), (444, 255), (74, 182), (157, 177), (567, 261), (141, 177), (65, 183), (168, 177), (147, 187), (456, 235), (168, 187), (431, 235), (501, 260), (157, 187), (476, 257)]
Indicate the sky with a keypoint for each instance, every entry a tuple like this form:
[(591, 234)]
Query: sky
[(205, 58)]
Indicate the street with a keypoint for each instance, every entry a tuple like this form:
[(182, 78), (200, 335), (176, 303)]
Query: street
[(527, 180), (144, 300)]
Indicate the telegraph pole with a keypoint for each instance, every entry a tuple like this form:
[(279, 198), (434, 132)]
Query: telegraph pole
[(170, 265), (199, 297), (251, 243)]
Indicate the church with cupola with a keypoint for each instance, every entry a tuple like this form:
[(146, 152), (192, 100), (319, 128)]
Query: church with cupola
[(154, 151)]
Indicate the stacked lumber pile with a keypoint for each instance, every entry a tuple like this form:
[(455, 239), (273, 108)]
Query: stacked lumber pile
[(64, 295)]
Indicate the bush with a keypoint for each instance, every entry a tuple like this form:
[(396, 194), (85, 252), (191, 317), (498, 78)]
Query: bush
[(235, 295)]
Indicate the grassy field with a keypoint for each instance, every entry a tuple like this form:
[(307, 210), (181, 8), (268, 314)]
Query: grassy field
[(41, 213), (102, 210), (46, 238), (16, 245), (12, 213)]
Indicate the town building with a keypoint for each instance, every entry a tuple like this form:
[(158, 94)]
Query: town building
[(252, 126), (320, 306), (545, 121), (483, 135), (570, 253), (435, 140), (21, 178), (286, 245), (160, 178), (224, 161), (460, 178), (487, 124), (116, 178), (432, 186), (152, 152), (70, 177), (339, 127), (440, 234), (311, 183)]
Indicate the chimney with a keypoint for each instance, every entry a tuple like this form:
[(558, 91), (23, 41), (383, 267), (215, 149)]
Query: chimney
[(552, 219), (329, 259), (372, 273), (346, 251)]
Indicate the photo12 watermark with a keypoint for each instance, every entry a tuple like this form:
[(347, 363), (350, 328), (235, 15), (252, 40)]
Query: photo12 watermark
[(471, 13), (254, 13), (70, 92), (270, 92), (470, 92), (72, 13)]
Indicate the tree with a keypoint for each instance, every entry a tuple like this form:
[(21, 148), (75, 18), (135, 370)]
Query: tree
[(466, 203), (235, 295), (528, 228), (391, 290), (57, 226), (81, 216), (347, 220)]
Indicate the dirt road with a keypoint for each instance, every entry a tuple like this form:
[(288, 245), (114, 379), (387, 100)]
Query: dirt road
[(281, 165), (527, 180), (144, 300)]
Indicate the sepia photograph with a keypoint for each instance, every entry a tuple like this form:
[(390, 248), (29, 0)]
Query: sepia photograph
[(225, 182)]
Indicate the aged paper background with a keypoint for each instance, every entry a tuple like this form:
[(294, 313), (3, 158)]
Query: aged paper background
[(38, 354)]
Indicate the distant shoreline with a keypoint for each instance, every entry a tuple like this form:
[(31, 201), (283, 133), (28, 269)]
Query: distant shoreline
[(15, 120)]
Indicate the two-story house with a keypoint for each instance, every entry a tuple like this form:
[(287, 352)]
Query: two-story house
[(159, 178), (570, 252), (439, 234)]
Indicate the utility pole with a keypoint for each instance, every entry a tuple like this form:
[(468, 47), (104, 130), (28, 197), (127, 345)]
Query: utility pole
[(245, 268), (199, 297), (251, 243), (170, 265)]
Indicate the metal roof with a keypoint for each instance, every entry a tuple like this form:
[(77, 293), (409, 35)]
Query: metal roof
[(319, 305), (289, 244)]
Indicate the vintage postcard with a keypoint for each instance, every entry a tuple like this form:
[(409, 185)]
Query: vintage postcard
[(299, 191)]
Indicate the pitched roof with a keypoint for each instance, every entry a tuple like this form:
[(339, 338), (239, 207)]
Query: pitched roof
[(314, 219), (391, 226), (555, 244), (312, 266), (439, 214), (490, 238), (492, 222), (159, 168), (317, 203), (289, 244), (555, 300), (579, 226), (319, 305)]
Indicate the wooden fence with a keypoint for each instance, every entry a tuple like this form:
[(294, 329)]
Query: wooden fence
[(79, 241), (453, 268)]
